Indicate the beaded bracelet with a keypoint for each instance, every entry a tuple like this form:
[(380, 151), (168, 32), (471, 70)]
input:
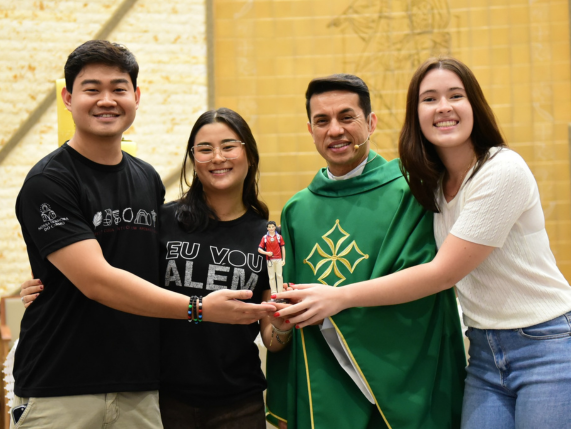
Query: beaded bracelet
[(195, 309)]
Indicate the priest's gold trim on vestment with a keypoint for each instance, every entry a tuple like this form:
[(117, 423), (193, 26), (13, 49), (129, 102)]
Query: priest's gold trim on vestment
[(274, 415), (308, 383), (359, 369)]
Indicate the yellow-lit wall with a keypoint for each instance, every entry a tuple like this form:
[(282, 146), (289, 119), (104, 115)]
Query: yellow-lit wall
[(266, 52)]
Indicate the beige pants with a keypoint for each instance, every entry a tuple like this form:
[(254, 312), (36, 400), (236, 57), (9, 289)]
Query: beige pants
[(275, 273), (123, 410)]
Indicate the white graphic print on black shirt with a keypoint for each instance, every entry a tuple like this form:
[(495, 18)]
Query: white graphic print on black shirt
[(210, 363), (225, 264)]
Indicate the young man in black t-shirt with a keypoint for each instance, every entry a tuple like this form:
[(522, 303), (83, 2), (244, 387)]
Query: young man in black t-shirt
[(89, 216)]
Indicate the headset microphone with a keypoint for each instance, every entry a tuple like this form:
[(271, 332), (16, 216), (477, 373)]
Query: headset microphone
[(357, 146)]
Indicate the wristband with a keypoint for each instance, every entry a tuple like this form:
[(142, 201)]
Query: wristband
[(190, 309), (283, 342), (195, 315), (195, 309), (279, 331)]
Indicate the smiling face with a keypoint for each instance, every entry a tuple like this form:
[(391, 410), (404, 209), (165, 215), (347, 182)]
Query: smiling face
[(444, 111), (220, 174), (337, 125), (103, 103)]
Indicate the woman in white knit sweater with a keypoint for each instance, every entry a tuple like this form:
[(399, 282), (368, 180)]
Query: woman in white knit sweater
[(490, 231)]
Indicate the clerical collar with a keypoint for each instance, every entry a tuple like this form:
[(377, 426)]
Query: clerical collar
[(357, 171)]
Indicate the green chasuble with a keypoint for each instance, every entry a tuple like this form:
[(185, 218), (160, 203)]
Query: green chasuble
[(411, 355)]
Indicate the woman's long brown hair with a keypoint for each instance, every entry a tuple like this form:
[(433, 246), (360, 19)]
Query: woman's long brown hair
[(420, 163)]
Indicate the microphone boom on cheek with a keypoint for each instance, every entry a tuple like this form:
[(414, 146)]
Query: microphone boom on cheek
[(357, 146)]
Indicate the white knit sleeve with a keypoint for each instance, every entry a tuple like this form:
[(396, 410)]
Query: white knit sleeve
[(494, 199)]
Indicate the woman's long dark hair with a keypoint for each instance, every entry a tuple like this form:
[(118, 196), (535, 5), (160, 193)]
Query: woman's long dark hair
[(193, 212), (420, 163)]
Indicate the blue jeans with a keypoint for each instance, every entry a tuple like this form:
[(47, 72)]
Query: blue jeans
[(519, 378)]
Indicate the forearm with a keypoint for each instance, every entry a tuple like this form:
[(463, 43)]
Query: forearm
[(84, 265), (263, 252), (397, 288), (126, 292), (455, 260)]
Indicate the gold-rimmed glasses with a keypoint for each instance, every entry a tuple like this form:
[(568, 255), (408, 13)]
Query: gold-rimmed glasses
[(204, 152)]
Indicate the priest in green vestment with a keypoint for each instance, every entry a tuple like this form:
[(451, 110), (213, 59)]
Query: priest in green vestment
[(398, 367)]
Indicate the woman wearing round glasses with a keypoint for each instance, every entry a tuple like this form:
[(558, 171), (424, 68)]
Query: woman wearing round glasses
[(211, 373), (205, 152)]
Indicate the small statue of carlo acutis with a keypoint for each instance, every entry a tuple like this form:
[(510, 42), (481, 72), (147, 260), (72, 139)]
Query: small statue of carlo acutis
[(272, 245)]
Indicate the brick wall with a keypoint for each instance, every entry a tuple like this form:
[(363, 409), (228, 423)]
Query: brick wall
[(169, 40)]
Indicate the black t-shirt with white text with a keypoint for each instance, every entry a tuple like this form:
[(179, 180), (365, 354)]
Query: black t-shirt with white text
[(209, 364), (69, 344)]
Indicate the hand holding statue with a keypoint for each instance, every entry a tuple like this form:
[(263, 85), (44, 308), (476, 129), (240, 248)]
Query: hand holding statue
[(311, 303)]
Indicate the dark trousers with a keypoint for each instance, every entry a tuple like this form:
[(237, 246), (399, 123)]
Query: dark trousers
[(248, 413)]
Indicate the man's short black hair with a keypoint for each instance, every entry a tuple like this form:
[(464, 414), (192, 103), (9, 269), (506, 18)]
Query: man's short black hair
[(100, 52), (271, 222), (339, 82)]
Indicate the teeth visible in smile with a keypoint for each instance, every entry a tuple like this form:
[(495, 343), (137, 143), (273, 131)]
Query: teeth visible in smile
[(446, 124), (220, 171), (335, 146), (106, 115)]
